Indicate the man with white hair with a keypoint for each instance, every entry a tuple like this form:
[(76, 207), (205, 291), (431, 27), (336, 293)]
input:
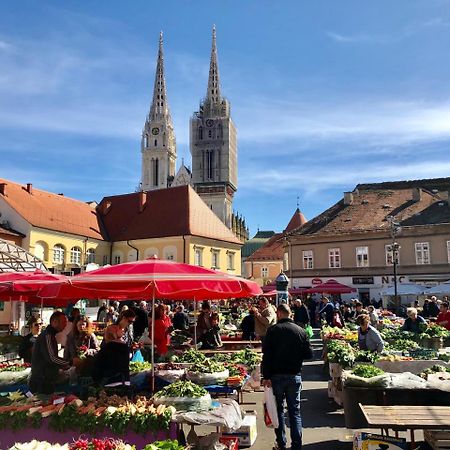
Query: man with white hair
[(264, 317), (414, 323), (433, 307)]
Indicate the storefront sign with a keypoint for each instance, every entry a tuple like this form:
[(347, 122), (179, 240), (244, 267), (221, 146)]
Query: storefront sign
[(391, 280), (362, 280), (316, 281)]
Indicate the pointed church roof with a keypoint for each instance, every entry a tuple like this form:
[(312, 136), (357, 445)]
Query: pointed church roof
[(297, 220), (213, 93), (160, 107)]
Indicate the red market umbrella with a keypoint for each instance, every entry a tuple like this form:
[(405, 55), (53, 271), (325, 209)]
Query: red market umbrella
[(271, 293), (297, 291), (24, 285), (330, 287), (153, 278)]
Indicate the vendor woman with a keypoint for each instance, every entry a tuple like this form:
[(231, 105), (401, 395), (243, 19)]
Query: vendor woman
[(81, 340), (368, 337)]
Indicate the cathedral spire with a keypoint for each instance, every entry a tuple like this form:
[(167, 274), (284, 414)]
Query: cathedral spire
[(160, 107), (213, 94)]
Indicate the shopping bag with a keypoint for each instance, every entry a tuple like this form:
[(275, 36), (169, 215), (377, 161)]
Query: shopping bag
[(309, 331), (270, 409)]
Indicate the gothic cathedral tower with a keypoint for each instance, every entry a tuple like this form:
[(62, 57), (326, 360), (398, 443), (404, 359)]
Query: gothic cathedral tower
[(214, 147), (158, 146)]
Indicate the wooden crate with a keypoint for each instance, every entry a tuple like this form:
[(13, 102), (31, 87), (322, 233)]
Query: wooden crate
[(437, 439)]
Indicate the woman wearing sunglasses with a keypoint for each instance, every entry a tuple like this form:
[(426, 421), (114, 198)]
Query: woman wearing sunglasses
[(27, 343)]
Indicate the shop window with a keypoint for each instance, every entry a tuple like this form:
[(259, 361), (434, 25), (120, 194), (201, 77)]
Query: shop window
[(215, 259), (90, 256), (230, 261), (198, 256), (264, 272)]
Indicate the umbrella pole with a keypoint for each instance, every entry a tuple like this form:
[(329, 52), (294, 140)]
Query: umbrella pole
[(195, 323), (42, 308), (153, 341)]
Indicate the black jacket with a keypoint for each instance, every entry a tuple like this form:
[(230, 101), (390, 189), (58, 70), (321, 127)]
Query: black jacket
[(285, 347), (301, 314), (26, 347), (45, 363), (180, 321), (112, 363)]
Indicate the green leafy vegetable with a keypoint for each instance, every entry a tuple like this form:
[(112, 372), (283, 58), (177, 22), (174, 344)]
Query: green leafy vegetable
[(182, 389)]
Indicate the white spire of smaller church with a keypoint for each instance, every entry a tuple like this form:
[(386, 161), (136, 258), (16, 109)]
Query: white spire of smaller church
[(213, 94), (160, 107)]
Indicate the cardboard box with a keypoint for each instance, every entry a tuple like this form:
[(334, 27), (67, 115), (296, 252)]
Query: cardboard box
[(247, 433), (369, 441)]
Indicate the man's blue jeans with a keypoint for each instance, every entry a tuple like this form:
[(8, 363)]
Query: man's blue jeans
[(288, 387)]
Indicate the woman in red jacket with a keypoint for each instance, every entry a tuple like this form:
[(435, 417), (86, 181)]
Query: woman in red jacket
[(162, 330)]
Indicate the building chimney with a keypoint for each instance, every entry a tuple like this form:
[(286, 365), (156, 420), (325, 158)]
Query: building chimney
[(417, 194), (348, 198), (142, 200), (3, 189), (29, 188)]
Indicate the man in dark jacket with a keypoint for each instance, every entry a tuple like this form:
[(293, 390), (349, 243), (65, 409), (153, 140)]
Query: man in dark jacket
[(285, 347), (45, 362), (327, 311), (301, 315), (180, 319)]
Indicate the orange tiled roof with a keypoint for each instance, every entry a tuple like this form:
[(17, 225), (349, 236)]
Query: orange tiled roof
[(175, 211), (297, 220), (51, 211), (373, 203), (272, 250)]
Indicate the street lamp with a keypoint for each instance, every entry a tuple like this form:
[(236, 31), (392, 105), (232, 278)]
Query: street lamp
[(394, 248)]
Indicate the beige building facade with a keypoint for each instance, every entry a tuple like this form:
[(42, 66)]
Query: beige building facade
[(352, 241)]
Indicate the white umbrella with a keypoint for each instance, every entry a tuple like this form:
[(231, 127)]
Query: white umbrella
[(405, 289), (443, 288)]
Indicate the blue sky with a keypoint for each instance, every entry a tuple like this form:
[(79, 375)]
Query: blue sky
[(324, 94)]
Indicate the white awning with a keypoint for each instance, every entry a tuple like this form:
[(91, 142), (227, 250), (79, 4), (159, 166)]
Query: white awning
[(405, 289), (440, 289), (15, 258)]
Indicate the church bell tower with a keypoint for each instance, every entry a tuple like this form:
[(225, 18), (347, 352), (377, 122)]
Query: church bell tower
[(213, 147), (158, 145)]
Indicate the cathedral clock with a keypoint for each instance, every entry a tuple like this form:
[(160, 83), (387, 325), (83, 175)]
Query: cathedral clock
[(155, 131), (209, 122)]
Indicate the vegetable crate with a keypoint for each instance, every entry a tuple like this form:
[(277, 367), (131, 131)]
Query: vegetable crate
[(231, 442)]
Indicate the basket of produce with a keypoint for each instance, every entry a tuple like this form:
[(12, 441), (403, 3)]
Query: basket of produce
[(11, 374), (191, 356), (365, 375), (184, 396), (170, 372), (208, 372)]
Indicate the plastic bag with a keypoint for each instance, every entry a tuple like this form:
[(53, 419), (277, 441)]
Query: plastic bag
[(270, 409), (205, 379), (309, 331), (186, 403), (137, 357), (348, 379)]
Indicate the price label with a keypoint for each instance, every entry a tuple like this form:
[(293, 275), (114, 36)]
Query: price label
[(58, 401)]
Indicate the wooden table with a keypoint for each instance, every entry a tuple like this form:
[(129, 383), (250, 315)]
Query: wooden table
[(407, 418)]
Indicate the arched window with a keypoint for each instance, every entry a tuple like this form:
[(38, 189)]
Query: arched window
[(40, 250), (146, 140), (58, 254), (90, 256), (210, 164), (75, 255), (200, 133), (156, 142)]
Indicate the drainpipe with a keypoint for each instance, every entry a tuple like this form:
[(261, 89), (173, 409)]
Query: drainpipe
[(134, 248)]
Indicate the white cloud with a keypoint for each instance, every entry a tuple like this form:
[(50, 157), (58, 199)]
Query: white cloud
[(319, 178), (359, 38)]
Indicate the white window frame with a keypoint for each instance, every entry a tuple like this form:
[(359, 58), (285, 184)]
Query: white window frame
[(334, 258), (117, 259), (448, 252), (75, 255), (59, 254), (215, 258), (230, 260), (423, 253), (362, 256), (308, 259), (389, 253), (198, 256), (264, 272), (105, 260)]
